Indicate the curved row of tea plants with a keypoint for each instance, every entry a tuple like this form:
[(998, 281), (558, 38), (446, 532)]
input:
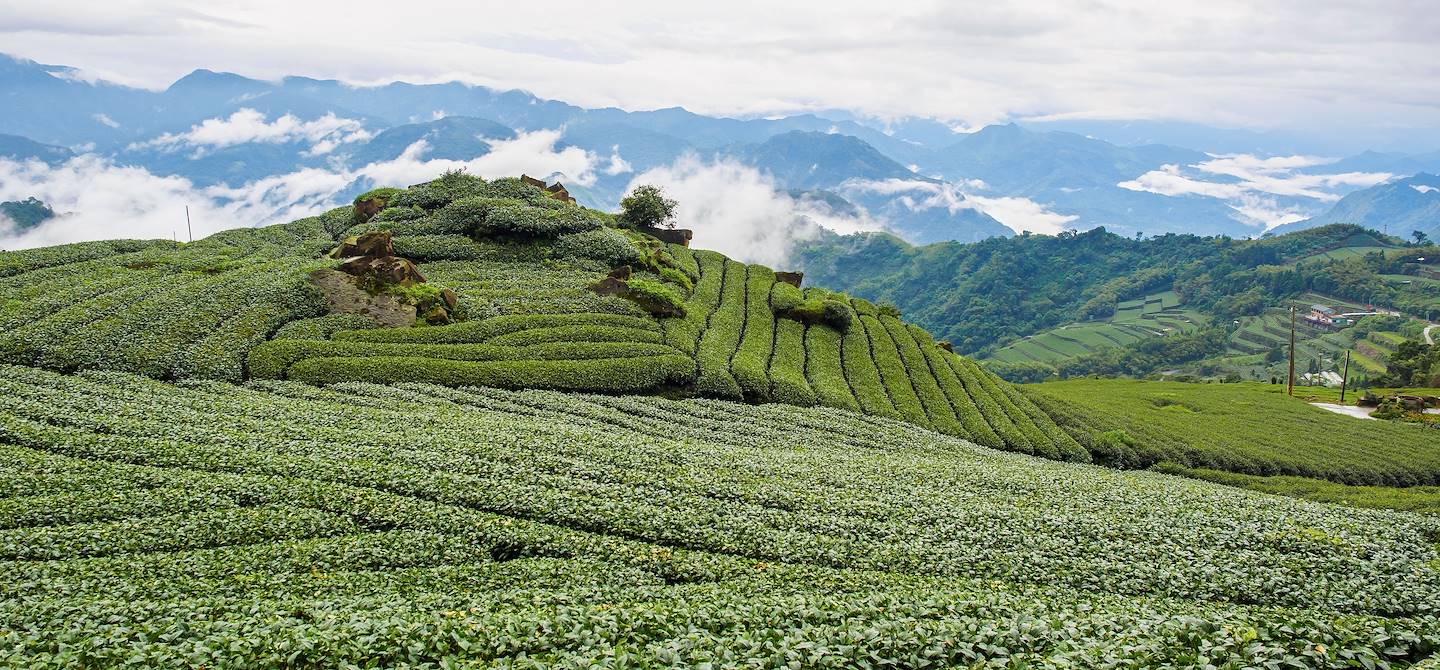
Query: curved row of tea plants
[(277, 523)]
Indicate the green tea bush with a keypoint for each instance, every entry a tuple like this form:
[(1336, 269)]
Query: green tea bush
[(322, 327), (577, 333), (542, 223), (824, 369), (448, 188), (427, 248), (753, 355), (273, 359), (787, 365), (606, 245), (721, 335), (678, 278), (392, 214), (613, 375), (894, 376), (655, 297), (273, 525)]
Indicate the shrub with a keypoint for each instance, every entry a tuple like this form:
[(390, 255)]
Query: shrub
[(449, 187), (785, 297), (535, 222), (322, 327), (678, 278), (888, 309), (382, 193), (603, 244), (655, 297), (467, 215), (483, 330), (613, 375), (646, 206), (439, 248), (513, 188), (390, 214)]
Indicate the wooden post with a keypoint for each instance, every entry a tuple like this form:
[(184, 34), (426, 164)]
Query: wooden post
[(1345, 377), (1290, 382)]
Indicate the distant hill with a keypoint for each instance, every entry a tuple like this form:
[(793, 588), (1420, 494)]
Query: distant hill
[(1399, 206), (24, 148), (986, 295), (27, 213)]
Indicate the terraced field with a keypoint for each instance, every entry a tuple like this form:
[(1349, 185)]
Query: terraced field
[(239, 306), (1152, 316), (279, 524)]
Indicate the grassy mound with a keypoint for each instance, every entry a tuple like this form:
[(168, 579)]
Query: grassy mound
[(283, 524), (238, 306)]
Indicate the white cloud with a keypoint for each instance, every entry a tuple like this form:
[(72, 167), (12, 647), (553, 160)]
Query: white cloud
[(103, 200), (532, 153), (1255, 185), (1016, 213), (617, 164), (1326, 63), (1424, 188), (247, 125), (105, 120), (736, 210)]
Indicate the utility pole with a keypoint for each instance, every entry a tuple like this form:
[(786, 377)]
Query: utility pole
[(188, 231), (1290, 383), (1345, 377)]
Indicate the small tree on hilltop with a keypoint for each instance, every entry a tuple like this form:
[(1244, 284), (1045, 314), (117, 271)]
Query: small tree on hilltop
[(647, 207), (1420, 238)]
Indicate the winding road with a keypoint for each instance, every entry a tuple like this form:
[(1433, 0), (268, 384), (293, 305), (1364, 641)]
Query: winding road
[(1428, 338)]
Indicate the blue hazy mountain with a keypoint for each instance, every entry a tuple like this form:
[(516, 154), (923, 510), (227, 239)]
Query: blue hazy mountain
[(847, 167), (51, 110), (23, 148), (1397, 207)]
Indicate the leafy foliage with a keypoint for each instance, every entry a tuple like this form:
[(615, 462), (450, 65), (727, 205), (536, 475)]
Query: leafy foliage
[(647, 207), (272, 524), (26, 213)]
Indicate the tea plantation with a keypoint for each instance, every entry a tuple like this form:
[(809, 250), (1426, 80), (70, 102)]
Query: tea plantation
[(240, 305), (608, 451), (282, 524)]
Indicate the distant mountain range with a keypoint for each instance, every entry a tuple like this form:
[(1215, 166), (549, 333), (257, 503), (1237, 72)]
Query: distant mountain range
[(927, 181), (1398, 207)]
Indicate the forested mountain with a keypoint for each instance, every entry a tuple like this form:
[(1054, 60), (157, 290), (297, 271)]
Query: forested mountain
[(984, 296)]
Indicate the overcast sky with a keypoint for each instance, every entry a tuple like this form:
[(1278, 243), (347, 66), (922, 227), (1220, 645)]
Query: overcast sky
[(1279, 63)]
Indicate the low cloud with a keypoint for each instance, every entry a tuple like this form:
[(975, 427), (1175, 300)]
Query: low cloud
[(1255, 187), (103, 200), (1423, 188), (532, 153), (736, 210), (247, 125), (1016, 213)]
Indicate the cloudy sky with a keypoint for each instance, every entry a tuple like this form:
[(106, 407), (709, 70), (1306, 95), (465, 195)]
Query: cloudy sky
[(1299, 64)]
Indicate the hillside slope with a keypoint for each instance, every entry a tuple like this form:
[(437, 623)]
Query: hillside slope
[(242, 305), (277, 523)]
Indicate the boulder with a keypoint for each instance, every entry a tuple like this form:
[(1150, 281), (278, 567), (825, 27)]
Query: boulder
[(367, 209), (791, 278), (452, 301), (680, 236), (622, 273), (374, 244), (610, 286), (386, 270), (437, 316), (343, 295), (945, 344)]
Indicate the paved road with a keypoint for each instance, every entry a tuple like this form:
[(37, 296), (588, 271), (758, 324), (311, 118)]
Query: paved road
[(1428, 338)]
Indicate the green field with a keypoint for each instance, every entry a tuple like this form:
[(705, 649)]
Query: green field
[(1246, 428), (281, 524), (1155, 315)]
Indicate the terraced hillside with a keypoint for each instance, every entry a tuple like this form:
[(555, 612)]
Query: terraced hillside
[(1156, 315), (240, 305), (277, 523)]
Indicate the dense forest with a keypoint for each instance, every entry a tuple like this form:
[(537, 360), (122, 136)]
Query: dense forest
[(981, 296)]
